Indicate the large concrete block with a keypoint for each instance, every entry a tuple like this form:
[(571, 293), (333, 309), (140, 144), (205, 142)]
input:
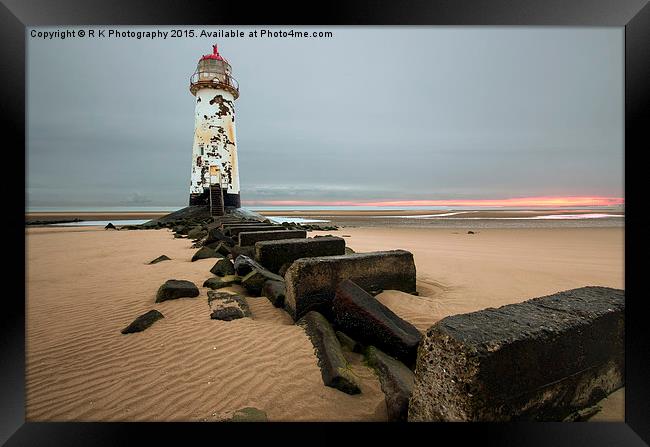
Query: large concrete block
[(234, 231), (311, 282), (250, 238), (227, 225), (539, 360), (335, 370), (274, 254), (363, 317)]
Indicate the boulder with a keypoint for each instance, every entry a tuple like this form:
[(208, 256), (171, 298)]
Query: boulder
[(196, 233), (539, 360), (227, 306), (143, 322), (226, 241), (348, 343), (254, 281), (244, 265), (160, 258), (220, 282), (335, 369), (176, 288), (110, 226), (364, 318), (204, 253), (247, 238), (223, 248), (214, 235), (274, 291), (311, 282), (284, 268), (237, 251), (180, 229), (274, 254), (396, 382), (223, 267)]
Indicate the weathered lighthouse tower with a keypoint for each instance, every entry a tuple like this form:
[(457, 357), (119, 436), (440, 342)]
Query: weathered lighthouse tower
[(215, 175)]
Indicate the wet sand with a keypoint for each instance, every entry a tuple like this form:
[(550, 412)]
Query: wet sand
[(85, 284)]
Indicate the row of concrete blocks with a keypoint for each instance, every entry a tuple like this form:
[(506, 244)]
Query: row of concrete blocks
[(538, 360)]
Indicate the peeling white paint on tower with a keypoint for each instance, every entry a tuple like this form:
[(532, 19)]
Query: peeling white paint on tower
[(214, 152)]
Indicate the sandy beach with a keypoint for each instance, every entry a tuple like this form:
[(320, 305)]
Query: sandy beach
[(85, 284)]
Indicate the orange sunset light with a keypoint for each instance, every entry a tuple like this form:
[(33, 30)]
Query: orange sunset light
[(543, 201)]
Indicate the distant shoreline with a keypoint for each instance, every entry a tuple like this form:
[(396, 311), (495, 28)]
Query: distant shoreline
[(455, 214)]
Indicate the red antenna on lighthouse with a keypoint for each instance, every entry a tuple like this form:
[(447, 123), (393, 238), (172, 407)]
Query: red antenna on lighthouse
[(215, 54)]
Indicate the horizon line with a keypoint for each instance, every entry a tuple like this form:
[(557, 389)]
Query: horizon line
[(537, 201)]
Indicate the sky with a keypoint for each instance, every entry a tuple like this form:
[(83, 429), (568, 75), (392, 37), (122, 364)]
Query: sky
[(371, 115)]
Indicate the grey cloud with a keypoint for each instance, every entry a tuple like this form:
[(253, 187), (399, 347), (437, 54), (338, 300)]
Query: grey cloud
[(373, 113)]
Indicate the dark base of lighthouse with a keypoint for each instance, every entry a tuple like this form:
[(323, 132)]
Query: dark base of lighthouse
[(229, 200)]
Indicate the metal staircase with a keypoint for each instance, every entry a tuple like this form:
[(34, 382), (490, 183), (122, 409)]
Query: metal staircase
[(216, 200)]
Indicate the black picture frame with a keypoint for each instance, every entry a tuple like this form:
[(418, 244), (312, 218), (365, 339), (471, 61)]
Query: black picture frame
[(634, 15)]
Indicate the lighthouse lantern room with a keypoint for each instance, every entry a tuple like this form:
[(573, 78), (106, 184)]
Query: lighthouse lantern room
[(215, 177)]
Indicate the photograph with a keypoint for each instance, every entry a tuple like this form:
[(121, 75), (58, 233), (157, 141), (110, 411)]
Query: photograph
[(324, 223)]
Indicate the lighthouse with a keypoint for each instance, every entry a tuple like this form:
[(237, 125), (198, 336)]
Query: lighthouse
[(215, 175)]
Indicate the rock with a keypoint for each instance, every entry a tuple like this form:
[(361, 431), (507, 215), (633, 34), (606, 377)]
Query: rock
[(335, 369), (204, 253), (214, 235), (247, 238), (160, 259), (244, 265), (274, 291), (176, 288), (349, 344), (249, 414), (349, 251), (180, 229), (237, 251), (227, 306), (311, 282), (223, 267), (178, 236), (196, 233), (364, 318), (284, 268), (110, 226), (541, 360), (254, 281), (470, 232), (274, 254), (396, 382), (143, 322), (222, 248), (221, 282), (227, 242)]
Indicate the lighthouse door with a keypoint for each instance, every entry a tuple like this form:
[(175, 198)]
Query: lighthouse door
[(215, 175)]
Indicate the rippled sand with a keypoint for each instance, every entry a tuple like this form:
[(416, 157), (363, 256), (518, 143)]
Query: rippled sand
[(85, 284)]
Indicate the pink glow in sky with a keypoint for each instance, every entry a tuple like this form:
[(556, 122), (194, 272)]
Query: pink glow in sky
[(520, 202)]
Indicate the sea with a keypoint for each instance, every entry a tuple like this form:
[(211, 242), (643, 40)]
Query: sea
[(601, 217)]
